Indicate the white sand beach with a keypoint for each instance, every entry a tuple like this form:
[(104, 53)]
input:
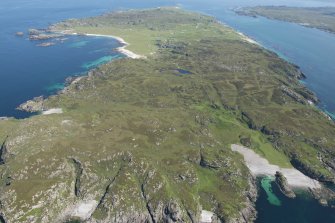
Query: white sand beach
[(52, 111), (121, 49), (248, 39), (260, 166)]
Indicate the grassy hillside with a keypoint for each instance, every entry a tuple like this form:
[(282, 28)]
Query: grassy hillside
[(149, 139)]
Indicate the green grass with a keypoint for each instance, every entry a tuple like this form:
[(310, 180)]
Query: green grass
[(230, 129), (143, 128)]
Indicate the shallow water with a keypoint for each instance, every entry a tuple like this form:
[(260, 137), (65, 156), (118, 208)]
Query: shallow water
[(302, 209), (30, 71), (266, 185)]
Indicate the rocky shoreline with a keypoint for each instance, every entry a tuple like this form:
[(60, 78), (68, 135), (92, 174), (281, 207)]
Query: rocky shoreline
[(34, 105), (283, 185)]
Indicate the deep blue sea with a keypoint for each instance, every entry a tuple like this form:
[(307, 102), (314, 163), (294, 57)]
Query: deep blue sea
[(28, 71)]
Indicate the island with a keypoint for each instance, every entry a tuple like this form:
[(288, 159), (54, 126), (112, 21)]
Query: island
[(148, 138), (315, 17)]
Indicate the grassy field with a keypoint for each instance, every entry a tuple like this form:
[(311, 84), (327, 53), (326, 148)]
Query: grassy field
[(143, 33), (320, 18), (140, 136)]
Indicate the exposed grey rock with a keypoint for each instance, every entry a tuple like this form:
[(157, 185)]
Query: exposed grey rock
[(34, 105), (283, 185), (3, 153), (294, 95), (249, 213), (323, 195)]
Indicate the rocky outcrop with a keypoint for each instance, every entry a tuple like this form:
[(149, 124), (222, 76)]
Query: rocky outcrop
[(78, 172), (283, 185), (2, 219), (294, 95), (308, 94), (42, 34), (34, 105), (249, 213), (323, 195), (3, 153), (306, 169)]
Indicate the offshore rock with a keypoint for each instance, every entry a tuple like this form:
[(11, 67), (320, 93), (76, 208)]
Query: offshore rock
[(283, 185), (46, 44), (20, 34), (35, 34)]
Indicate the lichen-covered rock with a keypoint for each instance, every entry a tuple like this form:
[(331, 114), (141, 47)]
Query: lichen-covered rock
[(283, 185)]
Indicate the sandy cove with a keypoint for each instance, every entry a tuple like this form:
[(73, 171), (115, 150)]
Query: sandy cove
[(259, 166), (121, 49)]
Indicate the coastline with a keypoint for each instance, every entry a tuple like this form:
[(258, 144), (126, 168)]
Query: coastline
[(329, 115), (121, 49), (259, 166), (248, 39)]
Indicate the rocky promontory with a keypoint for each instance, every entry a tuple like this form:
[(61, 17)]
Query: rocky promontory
[(34, 105), (37, 34)]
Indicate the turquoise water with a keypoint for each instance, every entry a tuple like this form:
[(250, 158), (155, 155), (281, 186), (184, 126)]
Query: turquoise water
[(79, 44), (27, 70), (266, 184), (92, 64), (311, 49), (302, 209), (55, 87)]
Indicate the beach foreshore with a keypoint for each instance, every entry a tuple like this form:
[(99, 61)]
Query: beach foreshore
[(260, 166), (248, 39), (121, 49)]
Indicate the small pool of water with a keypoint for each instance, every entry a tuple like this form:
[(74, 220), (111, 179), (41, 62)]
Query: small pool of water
[(183, 72)]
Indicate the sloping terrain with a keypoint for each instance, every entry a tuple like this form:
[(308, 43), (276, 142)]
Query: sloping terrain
[(148, 140)]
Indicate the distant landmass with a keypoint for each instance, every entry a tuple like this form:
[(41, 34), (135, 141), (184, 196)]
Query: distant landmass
[(321, 18)]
